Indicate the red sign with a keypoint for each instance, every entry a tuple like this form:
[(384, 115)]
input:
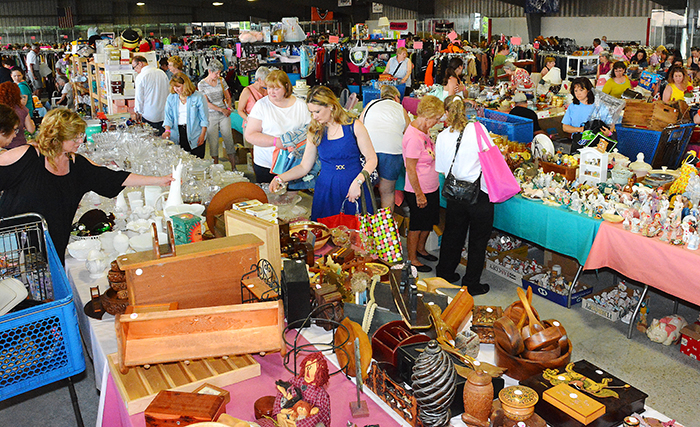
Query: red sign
[(33, 37), (398, 26)]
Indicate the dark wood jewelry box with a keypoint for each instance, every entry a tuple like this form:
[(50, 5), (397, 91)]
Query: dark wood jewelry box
[(616, 409)]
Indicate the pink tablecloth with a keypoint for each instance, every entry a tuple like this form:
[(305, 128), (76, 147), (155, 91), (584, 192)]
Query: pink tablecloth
[(410, 104), (244, 394), (668, 268)]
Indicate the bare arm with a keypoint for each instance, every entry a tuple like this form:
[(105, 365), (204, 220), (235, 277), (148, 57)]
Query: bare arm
[(409, 69), (571, 129), (242, 101), (667, 93), (136, 180), (28, 122), (253, 134), (406, 119), (412, 175)]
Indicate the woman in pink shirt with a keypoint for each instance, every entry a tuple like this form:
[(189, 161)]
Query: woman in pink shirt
[(422, 182)]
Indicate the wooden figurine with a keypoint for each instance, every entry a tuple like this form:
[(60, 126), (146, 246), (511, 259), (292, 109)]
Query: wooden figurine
[(310, 409)]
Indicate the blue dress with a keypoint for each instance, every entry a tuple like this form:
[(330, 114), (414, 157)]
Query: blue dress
[(340, 165)]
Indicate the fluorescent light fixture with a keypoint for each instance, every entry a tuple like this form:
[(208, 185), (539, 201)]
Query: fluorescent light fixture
[(140, 4), (217, 3)]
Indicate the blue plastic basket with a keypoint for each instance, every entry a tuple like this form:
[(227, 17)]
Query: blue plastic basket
[(631, 141), (41, 345), (369, 93), (516, 128)]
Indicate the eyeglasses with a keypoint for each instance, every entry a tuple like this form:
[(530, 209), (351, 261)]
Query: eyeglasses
[(79, 137), (16, 130)]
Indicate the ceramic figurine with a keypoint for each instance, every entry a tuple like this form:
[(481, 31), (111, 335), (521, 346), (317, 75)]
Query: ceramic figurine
[(635, 225), (693, 241), (175, 193), (121, 243), (96, 264), (434, 382), (313, 407), (666, 330)]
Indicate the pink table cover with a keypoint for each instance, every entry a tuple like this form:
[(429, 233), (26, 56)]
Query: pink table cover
[(668, 268), (244, 394), (411, 104)]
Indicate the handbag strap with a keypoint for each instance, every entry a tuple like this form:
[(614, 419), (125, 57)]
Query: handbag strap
[(397, 68), (357, 206), (459, 142)]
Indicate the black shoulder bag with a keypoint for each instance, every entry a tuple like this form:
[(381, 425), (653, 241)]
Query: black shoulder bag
[(460, 191)]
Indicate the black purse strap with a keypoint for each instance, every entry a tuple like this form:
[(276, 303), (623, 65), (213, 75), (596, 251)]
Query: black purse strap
[(397, 68), (459, 142), (365, 194)]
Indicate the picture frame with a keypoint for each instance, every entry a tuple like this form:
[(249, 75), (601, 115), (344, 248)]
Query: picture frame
[(213, 390)]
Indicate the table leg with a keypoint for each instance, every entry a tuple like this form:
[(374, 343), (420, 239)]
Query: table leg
[(573, 285), (636, 311), (675, 305)]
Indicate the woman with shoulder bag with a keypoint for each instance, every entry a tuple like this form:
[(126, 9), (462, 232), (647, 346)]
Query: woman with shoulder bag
[(468, 205)]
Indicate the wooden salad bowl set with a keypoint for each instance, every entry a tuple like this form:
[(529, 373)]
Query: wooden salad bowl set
[(527, 345)]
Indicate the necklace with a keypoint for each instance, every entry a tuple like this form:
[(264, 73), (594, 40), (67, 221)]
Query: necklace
[(335, 131)]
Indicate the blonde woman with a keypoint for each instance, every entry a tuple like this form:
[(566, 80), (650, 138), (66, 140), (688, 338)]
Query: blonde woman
[(461, 217), (175, 65), (215, 91), (400, 67), (49, 178), (186, 116), (422, 182), (338, 140)]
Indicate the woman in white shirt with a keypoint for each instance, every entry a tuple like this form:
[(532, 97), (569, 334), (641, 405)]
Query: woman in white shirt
[(462, 217), (273, 116), (386, 125)]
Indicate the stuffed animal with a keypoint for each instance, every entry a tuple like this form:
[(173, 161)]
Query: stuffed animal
[(666, 330)]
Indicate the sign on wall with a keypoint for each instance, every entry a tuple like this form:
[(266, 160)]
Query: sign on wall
[(343, 3), (377, 7)]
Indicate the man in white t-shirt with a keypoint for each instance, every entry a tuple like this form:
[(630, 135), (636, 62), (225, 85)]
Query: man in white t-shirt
[(152, 90), (33, 74), (67, 98)]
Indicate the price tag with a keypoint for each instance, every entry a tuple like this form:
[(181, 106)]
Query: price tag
[(333, 39)]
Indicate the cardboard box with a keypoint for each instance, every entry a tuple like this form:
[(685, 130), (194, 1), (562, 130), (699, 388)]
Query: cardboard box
[(690, 340), (494, 265), (589, 304), (520, 251), (581, 290), (574, 403), (569, 265)]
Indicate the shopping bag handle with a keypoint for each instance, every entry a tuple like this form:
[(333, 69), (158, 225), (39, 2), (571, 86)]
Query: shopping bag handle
[(481, 136), (357, 206), (367, 194)]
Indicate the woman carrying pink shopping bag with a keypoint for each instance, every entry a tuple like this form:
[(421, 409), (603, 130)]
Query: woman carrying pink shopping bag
[(458, 154)]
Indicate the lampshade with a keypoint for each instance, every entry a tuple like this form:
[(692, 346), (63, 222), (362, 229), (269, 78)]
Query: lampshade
[(383, 21)]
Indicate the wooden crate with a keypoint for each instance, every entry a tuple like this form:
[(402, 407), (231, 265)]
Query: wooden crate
[(202, 274), (198, 333), (654, 116), (140, 386), (569, 173), (238, 223)]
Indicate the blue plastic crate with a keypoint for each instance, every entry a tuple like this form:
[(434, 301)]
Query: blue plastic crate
[(631, 141), (41, 345), (516, 128), (369, 93)]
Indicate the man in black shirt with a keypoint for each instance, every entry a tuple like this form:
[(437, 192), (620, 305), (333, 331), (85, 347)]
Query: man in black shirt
[(521, 110), (5, 73)]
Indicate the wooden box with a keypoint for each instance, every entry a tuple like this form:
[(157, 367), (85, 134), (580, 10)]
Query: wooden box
[(177, 409), (139, 386), (198, 333), (238, 223), (569, 173), (655, 115), (202, 274), (577, 404), (616, 409)]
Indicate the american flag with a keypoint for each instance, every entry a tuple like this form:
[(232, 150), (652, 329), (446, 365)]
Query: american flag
[(65, 17)]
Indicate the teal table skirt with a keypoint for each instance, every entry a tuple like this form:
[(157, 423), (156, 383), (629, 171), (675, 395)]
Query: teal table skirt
[(236, 122), (555, 228)]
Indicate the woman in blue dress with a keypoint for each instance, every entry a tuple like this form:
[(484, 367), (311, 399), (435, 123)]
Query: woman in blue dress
[(339, 140)]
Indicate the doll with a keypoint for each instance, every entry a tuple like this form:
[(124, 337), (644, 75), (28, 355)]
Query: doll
[(310, 382)]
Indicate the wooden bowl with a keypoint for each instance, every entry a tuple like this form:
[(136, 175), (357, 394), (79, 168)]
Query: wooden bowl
[(543, 338), (309, 226), (521, 369), (264, 407), (508, 336), (112, 304)]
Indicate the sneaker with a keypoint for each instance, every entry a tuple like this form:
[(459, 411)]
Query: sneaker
[(480, 289)]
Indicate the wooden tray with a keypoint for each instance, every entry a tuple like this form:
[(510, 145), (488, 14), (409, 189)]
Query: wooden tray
[(198, 333), (202, 274), (140, 386)]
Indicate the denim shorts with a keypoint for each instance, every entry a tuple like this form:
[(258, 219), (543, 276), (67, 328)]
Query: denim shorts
[(389, 166)]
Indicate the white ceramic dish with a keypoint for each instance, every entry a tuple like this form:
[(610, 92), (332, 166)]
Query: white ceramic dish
[(80, 249), (139, 226), (12, 292), (142, 242)]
